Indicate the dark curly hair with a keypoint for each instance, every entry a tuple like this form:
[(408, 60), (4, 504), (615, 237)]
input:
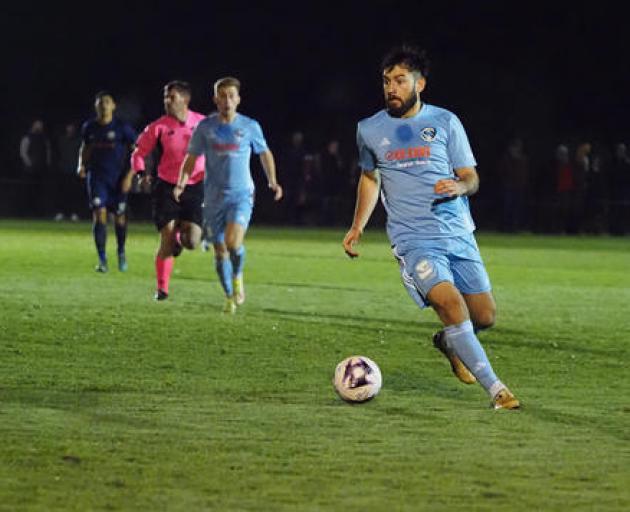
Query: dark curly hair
[(408, 56)]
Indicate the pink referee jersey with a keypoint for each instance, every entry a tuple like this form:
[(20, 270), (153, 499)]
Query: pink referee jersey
[(173, 137)]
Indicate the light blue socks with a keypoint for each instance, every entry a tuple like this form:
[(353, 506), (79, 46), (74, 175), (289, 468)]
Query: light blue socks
[(462, 340), (224, 270)]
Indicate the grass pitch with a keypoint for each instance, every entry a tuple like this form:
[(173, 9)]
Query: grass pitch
[(110, 401)]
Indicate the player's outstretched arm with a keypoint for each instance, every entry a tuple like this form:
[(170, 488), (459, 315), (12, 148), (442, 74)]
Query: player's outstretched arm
[(184, 174), (269, 166), (367, 196)]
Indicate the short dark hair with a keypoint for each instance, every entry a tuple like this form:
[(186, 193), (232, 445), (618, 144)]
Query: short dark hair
[(180, 86), (100, 94), (408, 56)]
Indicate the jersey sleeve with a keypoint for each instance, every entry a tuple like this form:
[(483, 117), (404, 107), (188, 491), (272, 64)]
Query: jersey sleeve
[(197, 144), (458, 147), (259, 144), (145, 143), (367, 161)]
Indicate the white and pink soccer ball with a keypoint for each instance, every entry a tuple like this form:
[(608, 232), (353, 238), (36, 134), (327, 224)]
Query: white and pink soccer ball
[(357, 379)]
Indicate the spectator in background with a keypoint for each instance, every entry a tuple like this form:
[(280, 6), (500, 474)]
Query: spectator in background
[(35, 154), (619, 191), (581, 169), (35, 150), (333, 179), (596, 192), (565, 190), (515, 175), (69, 190), (297, 163)]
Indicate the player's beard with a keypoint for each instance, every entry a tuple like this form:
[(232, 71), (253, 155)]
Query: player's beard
[(405, 106)]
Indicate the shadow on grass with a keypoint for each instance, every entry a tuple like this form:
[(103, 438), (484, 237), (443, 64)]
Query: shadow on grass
[(84, 402), (408, 327), (496, 338), (609, 426), (316, 286)]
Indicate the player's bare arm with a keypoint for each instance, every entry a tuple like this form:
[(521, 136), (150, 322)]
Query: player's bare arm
[(145, 144), (269, 165), (84, 156), (125, 185), (466, 184), (127, 181), (184, 174), (367, 197)]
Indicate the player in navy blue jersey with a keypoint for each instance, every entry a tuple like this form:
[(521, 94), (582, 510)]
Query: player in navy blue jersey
[(104, 162), (419, 158)]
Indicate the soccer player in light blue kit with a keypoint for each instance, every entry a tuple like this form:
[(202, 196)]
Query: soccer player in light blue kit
[(419, 158), (227, 139)]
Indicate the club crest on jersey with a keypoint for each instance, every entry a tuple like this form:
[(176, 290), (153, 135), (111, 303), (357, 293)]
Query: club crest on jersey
[(428, 134), (111, 135)]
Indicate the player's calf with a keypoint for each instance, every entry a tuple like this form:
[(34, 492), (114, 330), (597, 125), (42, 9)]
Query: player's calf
[(457, 366)]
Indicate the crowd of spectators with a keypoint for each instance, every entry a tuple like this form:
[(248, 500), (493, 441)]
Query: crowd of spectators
[(579, 188)]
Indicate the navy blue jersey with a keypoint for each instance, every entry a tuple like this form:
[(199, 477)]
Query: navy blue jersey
[(109, 149)]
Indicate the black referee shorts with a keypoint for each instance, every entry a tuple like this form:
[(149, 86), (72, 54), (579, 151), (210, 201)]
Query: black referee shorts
[(166, 209)]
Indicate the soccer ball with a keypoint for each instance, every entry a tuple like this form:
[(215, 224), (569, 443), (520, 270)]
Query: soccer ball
[(357, 379)]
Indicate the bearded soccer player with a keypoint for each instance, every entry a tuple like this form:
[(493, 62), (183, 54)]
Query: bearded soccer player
[(178, 222), (106, 142), (227, 139), (419, 158)]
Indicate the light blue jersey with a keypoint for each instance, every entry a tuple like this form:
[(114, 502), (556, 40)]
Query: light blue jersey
[(227, 148), (411, 155)]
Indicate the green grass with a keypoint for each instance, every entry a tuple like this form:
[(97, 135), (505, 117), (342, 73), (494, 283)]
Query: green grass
[(109, 401)]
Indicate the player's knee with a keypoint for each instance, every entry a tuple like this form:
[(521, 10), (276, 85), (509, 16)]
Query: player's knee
[(190, 236), (232, 245), (448, 305), (220, 251), (190, 243), (99, 215), (485, 319)]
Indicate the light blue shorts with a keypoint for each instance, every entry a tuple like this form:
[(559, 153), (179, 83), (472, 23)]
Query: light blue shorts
[(221, 208), (425, 263)]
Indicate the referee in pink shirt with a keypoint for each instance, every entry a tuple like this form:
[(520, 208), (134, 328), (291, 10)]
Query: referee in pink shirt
[(179, 223)]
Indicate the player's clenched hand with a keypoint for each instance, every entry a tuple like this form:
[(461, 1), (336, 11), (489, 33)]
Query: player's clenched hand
[(177, 192), (145, 182), (448, 188), (350, 240), (277, 191)]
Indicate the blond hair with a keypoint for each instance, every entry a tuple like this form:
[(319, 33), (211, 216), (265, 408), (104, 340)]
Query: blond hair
[(227, 81)]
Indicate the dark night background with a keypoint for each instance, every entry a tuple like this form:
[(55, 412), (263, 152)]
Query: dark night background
[(548, 72)]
